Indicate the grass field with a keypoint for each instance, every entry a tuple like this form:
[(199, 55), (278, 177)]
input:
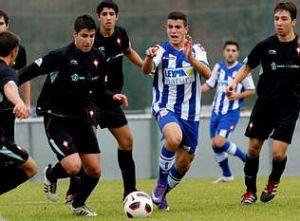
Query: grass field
[(193, 200)]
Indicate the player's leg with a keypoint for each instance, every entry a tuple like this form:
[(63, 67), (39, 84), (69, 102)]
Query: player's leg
[(61, 140), (172, 134), (88, 182), (88, 148), (278, 165), (125, 159), (16, 166)]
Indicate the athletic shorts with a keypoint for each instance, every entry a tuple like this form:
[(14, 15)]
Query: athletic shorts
[(10, 153), (223, 124), (112, 117), (275, 118), (189, 129), (68, 136)]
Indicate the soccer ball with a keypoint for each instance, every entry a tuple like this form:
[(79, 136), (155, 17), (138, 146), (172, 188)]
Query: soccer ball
[(138, 204)]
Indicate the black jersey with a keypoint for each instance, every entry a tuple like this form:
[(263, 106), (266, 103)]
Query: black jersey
[(280, 69), (113, 47), (7, 74), (72, 78), (21, 59)]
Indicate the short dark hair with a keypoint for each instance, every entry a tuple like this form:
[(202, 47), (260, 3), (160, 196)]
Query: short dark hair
[(230, 42), (175, 15), (84, 21), (287, 6), (5, 16), (8, 42), (107, 4)]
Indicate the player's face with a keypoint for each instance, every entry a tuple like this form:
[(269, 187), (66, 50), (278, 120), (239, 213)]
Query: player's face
[(283, 23), (176, 31), (13, 56), (231, 53), (84, 39), (3, 26), (108, 18)]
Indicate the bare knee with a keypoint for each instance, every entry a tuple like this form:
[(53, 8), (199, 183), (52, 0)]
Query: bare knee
[(72, 169), (173, 142), (30, 167), (218, 142), (94, 172), (126, 142)]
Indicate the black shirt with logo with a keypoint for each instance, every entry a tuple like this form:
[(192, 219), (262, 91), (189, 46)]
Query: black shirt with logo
[(113, 47), (279, 78), (72, 79)]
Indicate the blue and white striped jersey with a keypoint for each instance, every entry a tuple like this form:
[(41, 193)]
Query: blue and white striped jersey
[(176, 84), (221, 77)]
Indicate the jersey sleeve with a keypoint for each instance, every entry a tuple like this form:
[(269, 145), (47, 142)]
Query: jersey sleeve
[(158, 58), (254, 58), (248, 83), (200, 53), (213, 80), (8, 75), (124, 39), (41, 66)]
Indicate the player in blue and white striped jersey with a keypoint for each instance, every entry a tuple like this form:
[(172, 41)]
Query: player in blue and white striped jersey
[(226, 110), (176, 101)]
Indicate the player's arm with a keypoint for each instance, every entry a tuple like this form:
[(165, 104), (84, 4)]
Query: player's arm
[(148, 63), (12, 93), (212, 81), (133, 56), (248, 87), (205, 88), (200, 67), (241, 75)]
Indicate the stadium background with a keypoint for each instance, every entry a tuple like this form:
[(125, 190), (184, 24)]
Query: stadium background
[(45, 25)]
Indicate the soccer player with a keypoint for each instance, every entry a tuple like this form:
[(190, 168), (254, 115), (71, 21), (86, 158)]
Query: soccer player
[(277, 107), (226, 110), (19, 63), (74, 74), (176, 101), (114, 42), (16, 166)]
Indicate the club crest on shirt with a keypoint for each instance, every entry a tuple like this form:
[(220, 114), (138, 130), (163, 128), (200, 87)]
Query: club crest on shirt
[(73, 62), (273, 52)]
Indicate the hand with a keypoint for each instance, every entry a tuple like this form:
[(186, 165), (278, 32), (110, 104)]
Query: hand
[(231, 88), (233, 96), (152, 52), (28, 106), (121, 98), (21, 111), (187, 49)]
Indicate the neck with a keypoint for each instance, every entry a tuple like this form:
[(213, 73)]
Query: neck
[(177, 46), (6, 60), (286, 38), (229, 63), (106, 32)]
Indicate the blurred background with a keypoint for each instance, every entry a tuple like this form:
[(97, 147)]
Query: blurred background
[(44, 25)]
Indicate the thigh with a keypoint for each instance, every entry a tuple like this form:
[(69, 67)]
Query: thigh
[(169, 125), (228, 123), (60, 136), (123, 136), (285, 124), (85, 140), (91, 164), (190, 131), (113, 117), (12, 155)]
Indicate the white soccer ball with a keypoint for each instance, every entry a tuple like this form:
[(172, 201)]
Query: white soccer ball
[(138, 204)]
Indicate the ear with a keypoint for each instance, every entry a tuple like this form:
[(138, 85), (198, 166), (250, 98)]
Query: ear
[(13, 54), (294, 22), (117, 17)]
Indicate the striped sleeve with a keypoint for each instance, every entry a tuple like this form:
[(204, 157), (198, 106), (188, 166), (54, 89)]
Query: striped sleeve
[(200, 53), (213, 80)]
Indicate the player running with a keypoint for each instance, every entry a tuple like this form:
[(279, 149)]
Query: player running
[(74, 74), (226, 110), (114, 42), (176, 101), (277, 107), (16, 166)]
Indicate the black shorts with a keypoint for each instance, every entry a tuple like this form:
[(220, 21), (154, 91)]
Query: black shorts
[(68, 136), (278, 118), (112, 117)]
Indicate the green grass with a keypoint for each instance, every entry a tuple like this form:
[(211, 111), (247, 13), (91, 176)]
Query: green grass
[(194, 199)]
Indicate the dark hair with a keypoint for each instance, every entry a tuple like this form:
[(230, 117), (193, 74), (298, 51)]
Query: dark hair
[(5, 16), (287, 6), (178, 15), (84, 21), (107, 4), (8, 42), (230, 42)]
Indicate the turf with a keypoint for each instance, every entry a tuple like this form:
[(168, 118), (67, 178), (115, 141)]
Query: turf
[(194, 199)]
